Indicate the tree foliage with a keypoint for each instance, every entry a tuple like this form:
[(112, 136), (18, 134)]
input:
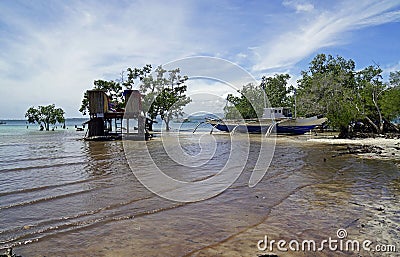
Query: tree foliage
[(370, 88), (164, 94), (333, 88), (328, 88), (45, 115), (272, 91), (248, 105), (115, 89), (112, 88), (391, 97), (136, 73), (278, 92)]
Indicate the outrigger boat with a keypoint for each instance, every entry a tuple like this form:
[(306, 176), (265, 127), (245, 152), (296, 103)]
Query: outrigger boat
[(280, 117)]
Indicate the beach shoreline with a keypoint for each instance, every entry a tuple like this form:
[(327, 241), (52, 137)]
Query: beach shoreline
[(375, 148)]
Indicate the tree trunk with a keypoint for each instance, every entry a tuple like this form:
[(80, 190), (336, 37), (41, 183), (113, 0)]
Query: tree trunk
[(380, 128), (372, 124), (344, 132), (47, 125), (150, 125), (166, 123)]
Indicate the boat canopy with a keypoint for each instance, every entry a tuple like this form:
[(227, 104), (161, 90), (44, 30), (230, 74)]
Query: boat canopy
[(277, 113)]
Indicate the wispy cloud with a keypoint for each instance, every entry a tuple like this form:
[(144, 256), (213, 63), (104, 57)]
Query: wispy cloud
[(51, 51), (56, 62), (299, 5), (322, 28), (387, 69)]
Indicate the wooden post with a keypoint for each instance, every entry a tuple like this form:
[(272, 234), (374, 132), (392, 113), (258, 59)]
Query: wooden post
[(127, 126), (96, 127)]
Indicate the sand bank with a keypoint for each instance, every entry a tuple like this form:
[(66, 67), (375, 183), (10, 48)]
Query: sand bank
[(380, 148)]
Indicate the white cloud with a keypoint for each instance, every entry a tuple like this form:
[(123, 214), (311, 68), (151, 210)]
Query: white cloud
[(57, 63), (387, 69), (299, 6), (208, 95), (51, 53), (392, 68), (322, 29)]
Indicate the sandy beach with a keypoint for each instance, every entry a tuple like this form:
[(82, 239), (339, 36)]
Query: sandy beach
[(389, 149)]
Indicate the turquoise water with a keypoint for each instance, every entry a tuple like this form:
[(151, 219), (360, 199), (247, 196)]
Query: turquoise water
[(21, 126)]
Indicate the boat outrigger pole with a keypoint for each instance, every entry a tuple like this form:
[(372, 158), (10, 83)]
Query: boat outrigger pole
[(233, 130), (213, 128), (198, 126)]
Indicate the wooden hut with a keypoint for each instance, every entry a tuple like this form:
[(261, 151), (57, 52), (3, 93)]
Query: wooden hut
[(107, 122)]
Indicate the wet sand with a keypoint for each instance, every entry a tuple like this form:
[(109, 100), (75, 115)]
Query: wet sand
[(306, 195), (368, 213)]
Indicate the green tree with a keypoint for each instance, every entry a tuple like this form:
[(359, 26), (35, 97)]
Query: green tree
[(394, 79), (150, 87), (391, 97), (249, 105), (277, 90), (136, 73), (45, 116), (329, 88), (164, 95), (370, 88), (113, 90), (332, 87), (272, 91)]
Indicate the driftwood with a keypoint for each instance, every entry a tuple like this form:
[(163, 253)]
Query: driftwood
[(367, 128)]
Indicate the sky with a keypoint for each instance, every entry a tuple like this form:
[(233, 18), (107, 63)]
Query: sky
[(51, 51)]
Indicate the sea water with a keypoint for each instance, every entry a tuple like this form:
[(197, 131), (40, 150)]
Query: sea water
[(63, 196)]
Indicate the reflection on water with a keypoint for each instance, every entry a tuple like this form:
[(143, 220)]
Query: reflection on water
[(63, 196)]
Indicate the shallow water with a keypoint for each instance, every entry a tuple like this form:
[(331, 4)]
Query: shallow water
[(61, 196)]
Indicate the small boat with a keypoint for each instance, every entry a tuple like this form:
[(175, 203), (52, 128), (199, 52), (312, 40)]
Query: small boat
[(183, 120), (80, 128), (279, 116), (2, 122), (244, 126)]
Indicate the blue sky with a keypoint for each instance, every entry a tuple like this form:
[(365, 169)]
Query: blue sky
[(52, 51)]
